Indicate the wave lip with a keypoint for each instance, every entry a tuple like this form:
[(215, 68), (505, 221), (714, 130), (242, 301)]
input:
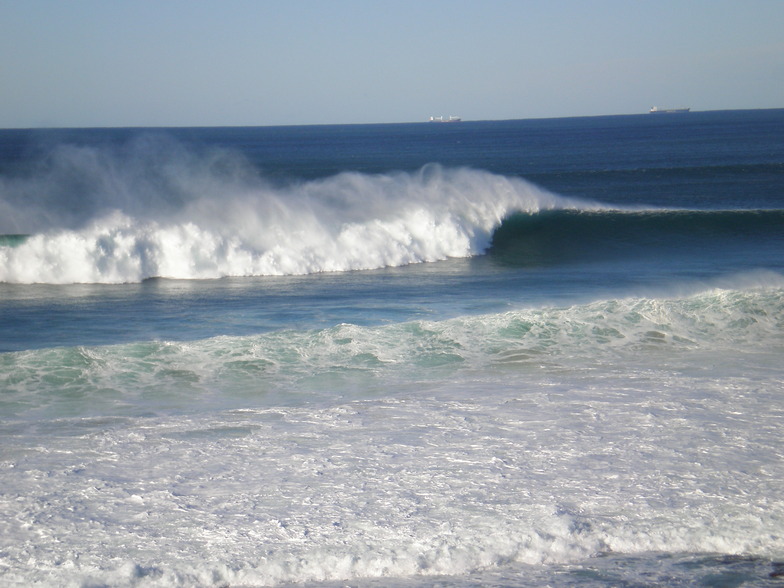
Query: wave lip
[(348, 222)]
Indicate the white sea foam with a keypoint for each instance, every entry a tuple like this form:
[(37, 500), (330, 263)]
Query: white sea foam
[(97, 216), (532, 437), (544, 474)]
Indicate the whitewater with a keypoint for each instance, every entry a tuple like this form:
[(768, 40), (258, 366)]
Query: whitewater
[(513, 353), (226, 220)]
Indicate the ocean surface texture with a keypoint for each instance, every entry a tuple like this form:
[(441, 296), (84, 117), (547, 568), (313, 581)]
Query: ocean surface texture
[(504, 353)]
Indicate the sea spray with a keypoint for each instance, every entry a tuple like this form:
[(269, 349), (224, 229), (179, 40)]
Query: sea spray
[(151, 176)]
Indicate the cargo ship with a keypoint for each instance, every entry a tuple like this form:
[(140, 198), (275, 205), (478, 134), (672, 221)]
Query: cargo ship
[(656, 110)]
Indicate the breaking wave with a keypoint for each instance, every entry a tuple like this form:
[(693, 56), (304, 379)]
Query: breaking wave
[(291, 366), (155, 209)]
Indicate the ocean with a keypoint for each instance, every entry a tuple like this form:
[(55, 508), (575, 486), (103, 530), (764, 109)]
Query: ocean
[(496, 353)]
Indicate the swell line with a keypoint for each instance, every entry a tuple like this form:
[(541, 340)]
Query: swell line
[(558, 236)]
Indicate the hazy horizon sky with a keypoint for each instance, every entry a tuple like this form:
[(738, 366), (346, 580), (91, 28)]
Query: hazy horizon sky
[(86, 63)]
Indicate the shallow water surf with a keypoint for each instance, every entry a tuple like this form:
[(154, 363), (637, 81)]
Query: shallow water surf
[(553, 472), (464, 448)]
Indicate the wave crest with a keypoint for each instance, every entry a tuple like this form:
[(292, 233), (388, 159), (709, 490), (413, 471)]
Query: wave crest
[(222, 219)]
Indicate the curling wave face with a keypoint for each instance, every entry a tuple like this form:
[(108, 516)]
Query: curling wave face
[(583, 236)]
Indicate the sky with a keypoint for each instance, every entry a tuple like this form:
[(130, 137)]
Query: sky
[(88, 63)]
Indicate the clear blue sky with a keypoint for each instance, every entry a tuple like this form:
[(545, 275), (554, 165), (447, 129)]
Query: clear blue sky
[(267, 62)]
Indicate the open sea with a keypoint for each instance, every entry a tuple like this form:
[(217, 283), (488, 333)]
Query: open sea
[(499, 353)]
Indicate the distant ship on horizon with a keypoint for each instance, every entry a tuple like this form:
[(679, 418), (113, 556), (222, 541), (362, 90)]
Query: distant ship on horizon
[(656, 110), (442, 119)]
